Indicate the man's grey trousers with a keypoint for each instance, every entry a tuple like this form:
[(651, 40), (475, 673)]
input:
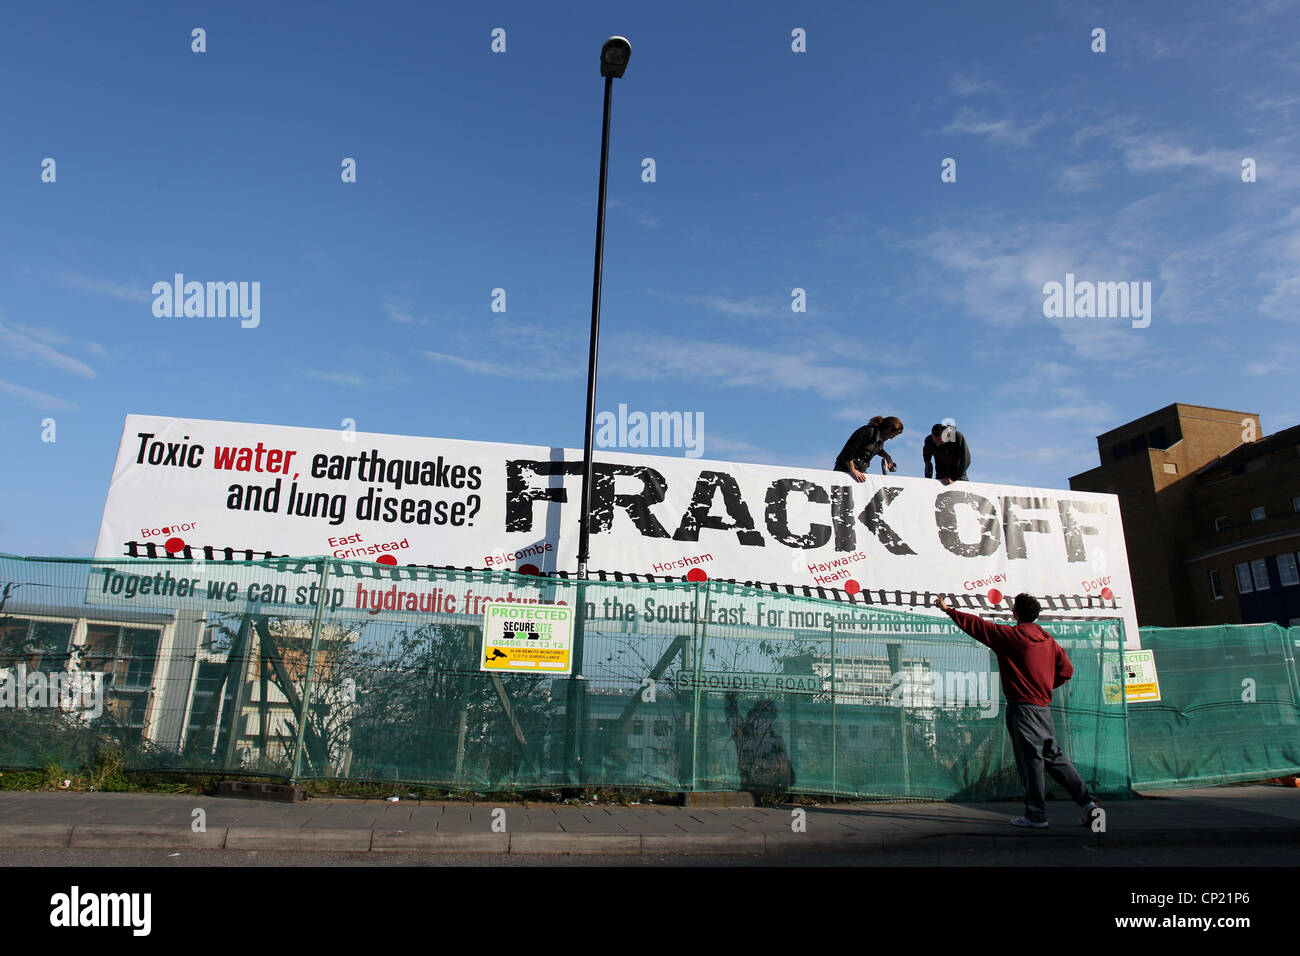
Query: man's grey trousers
[(1033, 736)]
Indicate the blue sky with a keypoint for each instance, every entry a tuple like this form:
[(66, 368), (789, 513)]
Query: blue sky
[(774, 170)]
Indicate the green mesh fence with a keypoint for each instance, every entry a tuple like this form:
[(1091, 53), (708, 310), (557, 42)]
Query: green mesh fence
[(312, 668), (1229, 707)]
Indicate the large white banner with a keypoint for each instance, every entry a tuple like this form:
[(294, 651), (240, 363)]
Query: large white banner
[(184, 488)]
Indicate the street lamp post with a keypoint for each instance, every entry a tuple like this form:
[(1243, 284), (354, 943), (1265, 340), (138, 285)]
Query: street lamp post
[(614, 56)]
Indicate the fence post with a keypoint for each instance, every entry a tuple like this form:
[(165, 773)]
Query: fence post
[(1128, 742), (1288, 661), (835, 731), (311, 666), (1100, 707), (244, 641), (895, 657), (701, 634)]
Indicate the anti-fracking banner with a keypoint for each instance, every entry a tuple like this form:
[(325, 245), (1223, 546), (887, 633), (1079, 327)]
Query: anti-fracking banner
[(191, 489)]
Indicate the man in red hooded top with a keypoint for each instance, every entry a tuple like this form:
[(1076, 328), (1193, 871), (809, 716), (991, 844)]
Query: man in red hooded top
[(1032, 665)]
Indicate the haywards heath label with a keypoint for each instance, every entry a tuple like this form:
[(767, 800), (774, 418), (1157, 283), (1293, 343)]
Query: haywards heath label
[(534, 638)]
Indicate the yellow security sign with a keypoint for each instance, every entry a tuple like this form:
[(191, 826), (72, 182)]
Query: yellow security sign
[(527, 638), (1133, 678), (1140, 680)]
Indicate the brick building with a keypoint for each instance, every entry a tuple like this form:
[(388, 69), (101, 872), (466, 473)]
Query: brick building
[(1211, 512)]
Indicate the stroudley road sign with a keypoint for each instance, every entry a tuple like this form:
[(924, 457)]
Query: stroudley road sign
[(750, 682)]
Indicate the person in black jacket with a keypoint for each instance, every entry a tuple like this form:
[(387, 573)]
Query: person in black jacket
[(867, 442), (948, 448)]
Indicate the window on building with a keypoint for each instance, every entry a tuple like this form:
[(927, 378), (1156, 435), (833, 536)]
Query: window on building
[(101, 647), (1158, 439), (205, 707), (1221, 523), (1287, 571), (1120, 451), (1138, 444), (1243, 579), (128, 657), (41, 645), (1295, 504), (1259, 571), (637, 728), (1216, 585), (139, 657), (1257, 514)]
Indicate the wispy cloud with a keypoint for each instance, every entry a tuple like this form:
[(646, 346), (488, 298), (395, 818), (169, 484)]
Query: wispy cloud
[(1080, 177), (638, 214), (334, 378), (730, 365), (730, 449), (967, 85), (749, 307), (1281, 357), (128, 292), (1069, 457), (23, 341), (1156, 153), (33, 396), (504, 369), (53, 337), (402, 312), (973, 123)]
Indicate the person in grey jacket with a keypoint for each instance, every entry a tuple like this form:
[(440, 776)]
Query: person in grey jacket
[(948, 448)]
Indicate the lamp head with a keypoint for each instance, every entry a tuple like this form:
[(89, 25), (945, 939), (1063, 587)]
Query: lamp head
[(614, 56)]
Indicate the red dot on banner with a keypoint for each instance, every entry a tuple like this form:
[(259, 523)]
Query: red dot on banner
[(696, 574), (1107, 594), (527, 569), (172, 545), (386, 559), (853, 587), (995, 596)]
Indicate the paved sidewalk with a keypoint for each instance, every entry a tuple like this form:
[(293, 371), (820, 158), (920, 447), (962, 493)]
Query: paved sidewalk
[(1235, 815)]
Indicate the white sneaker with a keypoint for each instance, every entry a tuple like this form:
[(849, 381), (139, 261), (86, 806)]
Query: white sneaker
[(1026, 822)]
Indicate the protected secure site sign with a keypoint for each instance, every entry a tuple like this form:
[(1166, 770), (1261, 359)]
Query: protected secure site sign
[(1132, 678), (532, 638), (1140, 680)]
